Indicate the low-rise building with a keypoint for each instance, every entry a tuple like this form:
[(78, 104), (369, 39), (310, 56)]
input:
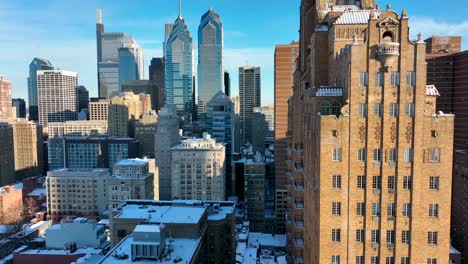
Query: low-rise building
[(131, 179), (80, 192), (198, 169), (11, 203), (80, 231), (210, 222), (77, 128)]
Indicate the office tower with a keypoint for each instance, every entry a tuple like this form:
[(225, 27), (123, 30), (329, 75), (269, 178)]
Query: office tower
[(28, 148), (250, 92), (194, 159), (90, 152), (20, 106), (167, 136), (157, 78), (57, 96), (145, 130), (446, 69), (179, 67), (259, 129), (210, 59), (77, 128), (125, 108), (83, 98), (236, 138), (268, 118), (167, 33), (6, 110), (143, 86), (131, 179), (36, 64), (64, 186), (236, 101), (227, 84), (220, 125), (108, 45), (370, 156), (7, 156), (131, 62), (99, 109), (285, 65)]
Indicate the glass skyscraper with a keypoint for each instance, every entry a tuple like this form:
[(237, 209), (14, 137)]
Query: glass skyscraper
[(249, 92), (179, 67), (131, 65), (210, 59), (36, 64)]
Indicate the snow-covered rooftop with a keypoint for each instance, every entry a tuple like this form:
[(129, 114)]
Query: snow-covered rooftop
[(38, 192), (269, 240), (162, 214), (182, 248), (431, 90), (87, 251)]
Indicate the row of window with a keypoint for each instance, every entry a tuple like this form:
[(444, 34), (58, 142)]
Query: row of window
[(394, 110), (431, 155), (335, 259), (394, 78), (434, 182), (433, 210), (432, 236)]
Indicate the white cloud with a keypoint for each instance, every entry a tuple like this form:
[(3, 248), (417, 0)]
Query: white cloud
[(429, 26)]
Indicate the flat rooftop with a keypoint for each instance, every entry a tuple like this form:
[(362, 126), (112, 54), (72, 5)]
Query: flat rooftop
[(183, 249)]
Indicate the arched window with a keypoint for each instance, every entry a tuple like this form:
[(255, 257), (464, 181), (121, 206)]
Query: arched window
[(325, 108), (387, 36)]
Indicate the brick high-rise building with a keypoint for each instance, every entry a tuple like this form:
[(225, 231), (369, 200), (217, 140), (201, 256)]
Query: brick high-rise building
[(125, 108), (285, 65), (368, 146), (6, 109), (99, 109), (447, 69)]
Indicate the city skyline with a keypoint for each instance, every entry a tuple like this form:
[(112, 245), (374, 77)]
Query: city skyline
[(33, 37)]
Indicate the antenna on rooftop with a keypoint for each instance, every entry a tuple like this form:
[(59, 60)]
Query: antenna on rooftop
[(99, 16), (180, 8)]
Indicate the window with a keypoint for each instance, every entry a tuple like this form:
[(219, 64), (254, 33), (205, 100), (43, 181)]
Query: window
[(375, 236), (434, 210), (374, 260), (364, 79), (378, 110), (432, 238), (336, 208), (407, 182), (336, 182), (405, 236), (336, 235), (360, 235), (434, 183), (335, 133), (407, 210), (431, 261), (411, 78), (336, 154), (405, 260), (361, 181), (391, 184), (377, 183), (393, 110), (395, 78), (409, 110), (336, 109), (391, 210), (377, 155), (375, 210), (362, 110), (361, 209), (325, 108), (389, 260), (392, 155), (335, 259), (362, 154), (434, 134), (390, 236), (379, 79), (408, 155), (435, 155), (359, 259)]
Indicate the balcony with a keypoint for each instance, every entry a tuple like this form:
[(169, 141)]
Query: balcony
[(387, 52)]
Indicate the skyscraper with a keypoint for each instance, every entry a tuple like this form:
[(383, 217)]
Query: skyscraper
[(20, 106), (36, 64), (157, 78), (167, 136), (285, 65), (227, 84), (7, 157), (6, 109), (108, 46), (210, 59), (57, 96), (250, 92), (83, 98), (370, 155), (179, 67)]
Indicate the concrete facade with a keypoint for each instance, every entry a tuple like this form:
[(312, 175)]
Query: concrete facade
[(99, 109), (77, 128), (82, 231), (6, 109)]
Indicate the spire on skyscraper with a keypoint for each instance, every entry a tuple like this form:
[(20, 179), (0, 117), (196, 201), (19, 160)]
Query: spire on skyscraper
[(180, 9), (98, 16)]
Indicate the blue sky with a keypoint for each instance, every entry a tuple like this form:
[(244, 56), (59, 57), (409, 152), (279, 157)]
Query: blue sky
[(64, 31)]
